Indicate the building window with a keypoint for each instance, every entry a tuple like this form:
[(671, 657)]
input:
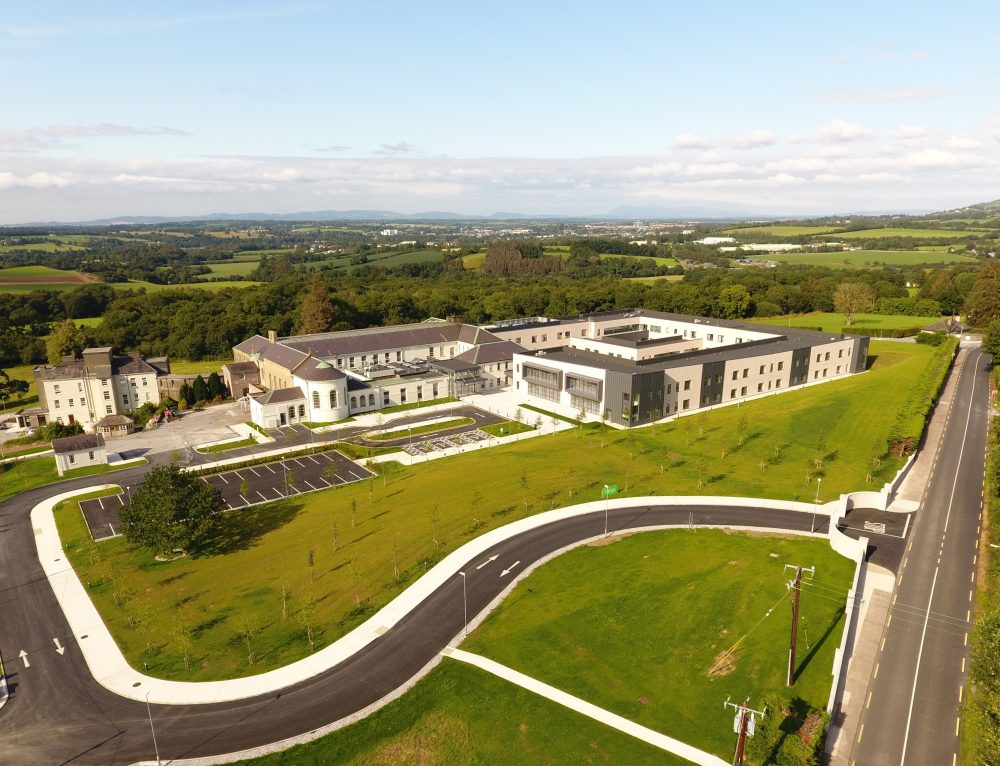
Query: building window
[(762, 369), (549, 394), (743, 391), (145, 381), (315, 400), (364, 359), (777, 384), (430, 352), (402, 396), (125, 399), (56, 388), (687, 385), (333, 398), (302, 410), (385, 398), (91, 454), (399, 356), (735, 374), (107, 409), (687, 404), (434, 390), (819, 357), (104, 381), (746, 372), (57, 404), (340, 362), (711, 337), (420, 393), (718, 378), (350, 362), (70, 402), (107, 396), (83, 401), (291, 412), (781, 366), (840, 354), (760, 387), (670, 388), (354, 402), (732, 393), (827, 356), (72, 458)]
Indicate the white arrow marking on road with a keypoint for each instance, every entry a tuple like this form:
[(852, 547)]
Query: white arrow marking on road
[(490, 559), (59, 647), (24, 658), (509, 569)]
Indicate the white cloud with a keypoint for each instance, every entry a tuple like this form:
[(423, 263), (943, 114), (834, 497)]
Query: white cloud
[(400, 147), (54, 136), (754, 139), (962, 142), (919, 55), (864, 95), (909, 132), (691, 141), (33, 181), (839, 131)]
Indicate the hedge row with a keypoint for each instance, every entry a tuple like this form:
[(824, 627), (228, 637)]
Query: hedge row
[(881, 332), (921, 397)]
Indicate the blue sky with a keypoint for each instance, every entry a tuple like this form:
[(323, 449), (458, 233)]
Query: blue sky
[(549, 107)]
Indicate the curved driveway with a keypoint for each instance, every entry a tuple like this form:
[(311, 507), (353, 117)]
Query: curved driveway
[(59, 714)]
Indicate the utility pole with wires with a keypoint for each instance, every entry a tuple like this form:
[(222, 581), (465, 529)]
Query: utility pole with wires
[(744, 724), (795, 586)]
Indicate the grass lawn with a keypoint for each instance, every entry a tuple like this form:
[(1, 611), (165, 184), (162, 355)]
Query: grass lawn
[(417, 405), (25, 474), (427, 429), (474, 261), (204, 367), (401, 514), (247, 442), (507, 428), (953, 234), (654, 280), (30, 399), (8, 453), (833, 322), (858, 259), (659, 260), (19, 279), (44, 247), (646, 650), (779, 230), (460, 716)]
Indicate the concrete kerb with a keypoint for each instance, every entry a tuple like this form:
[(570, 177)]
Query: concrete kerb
[(111, 670)]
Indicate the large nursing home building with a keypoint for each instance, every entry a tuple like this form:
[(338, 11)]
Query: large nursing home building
[(627, 367), (635, 367), (326, 377)]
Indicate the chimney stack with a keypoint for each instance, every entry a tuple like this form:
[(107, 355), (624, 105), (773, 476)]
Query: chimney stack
[(272, 336)]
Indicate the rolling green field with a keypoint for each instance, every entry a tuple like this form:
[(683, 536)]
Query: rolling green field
[(654, 280), (403, 520), (232, 268), (858, 259), (779, 230), (462, 716), (637, 626), (43, 247), (833, 322), (914, 232), (474, 262)]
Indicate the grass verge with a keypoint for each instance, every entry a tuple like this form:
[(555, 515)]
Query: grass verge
[(427, 429), (507, 428), (643, 627), (247, 442), (460, 715)]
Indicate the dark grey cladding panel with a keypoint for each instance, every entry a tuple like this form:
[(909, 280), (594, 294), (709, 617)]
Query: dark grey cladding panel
[(618, 395), (860, 355), (542, 376), (712, 373), (799, 373), (647, 389)]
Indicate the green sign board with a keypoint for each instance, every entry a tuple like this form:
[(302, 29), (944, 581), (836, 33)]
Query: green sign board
[(610, 489)]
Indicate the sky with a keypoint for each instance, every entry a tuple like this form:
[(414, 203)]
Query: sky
[(545, 107)]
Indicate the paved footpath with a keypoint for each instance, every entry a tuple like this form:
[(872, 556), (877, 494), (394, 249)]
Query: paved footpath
[(583, 707)]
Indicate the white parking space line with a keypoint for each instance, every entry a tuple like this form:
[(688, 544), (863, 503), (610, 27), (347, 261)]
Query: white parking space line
[(245, 500), (251, 470), (121, 501), (262, 497), (328, 458), (223, 477), (310, 457), (338, 478), (355, 475), (100, 502), (325, 481), (276, 492), (310, 485)]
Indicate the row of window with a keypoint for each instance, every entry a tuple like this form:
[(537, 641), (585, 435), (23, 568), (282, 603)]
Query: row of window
[(764, 369)]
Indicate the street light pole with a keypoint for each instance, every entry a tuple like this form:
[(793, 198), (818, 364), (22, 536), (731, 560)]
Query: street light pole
[(465, 604), (149, 712), (607, 502)]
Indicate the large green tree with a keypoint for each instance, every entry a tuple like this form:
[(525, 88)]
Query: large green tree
[(991, 340), (171, 510), (316, 313), (983, 303), (851, 297), (67, 339), (734, 302)]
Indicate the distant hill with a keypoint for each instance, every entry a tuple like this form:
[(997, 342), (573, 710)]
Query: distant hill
[(979, 210)]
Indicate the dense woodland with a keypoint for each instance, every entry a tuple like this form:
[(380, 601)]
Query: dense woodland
[(194, 324)]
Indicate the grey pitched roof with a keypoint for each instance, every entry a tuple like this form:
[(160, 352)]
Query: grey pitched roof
[(240, 366), (130, 365), (110, 421), (77, 443), (491, 353), (347, 342), (281, 395)]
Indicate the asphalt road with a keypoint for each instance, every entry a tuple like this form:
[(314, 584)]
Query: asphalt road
[(59, 714), (912, 715)]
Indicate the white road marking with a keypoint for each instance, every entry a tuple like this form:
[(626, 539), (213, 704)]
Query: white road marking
[(276, 492), (262, 497), (24, 658), (251, 470), (491, 558), (222, 476), (310, 485), (509, 569), (59, 647), (244, 500), (930, 600)]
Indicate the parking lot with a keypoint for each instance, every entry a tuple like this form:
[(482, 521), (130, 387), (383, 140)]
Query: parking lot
[(243, 487), (444, 442)]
